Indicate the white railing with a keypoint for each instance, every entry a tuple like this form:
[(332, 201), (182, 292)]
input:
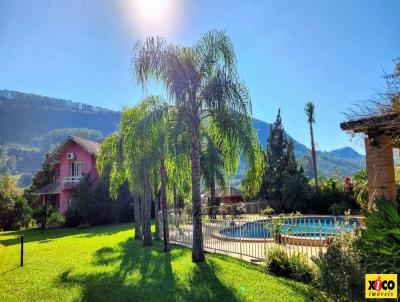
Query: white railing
[(72, 179)]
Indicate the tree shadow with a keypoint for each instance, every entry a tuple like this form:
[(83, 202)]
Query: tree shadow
[(33, 235), (133, 273)]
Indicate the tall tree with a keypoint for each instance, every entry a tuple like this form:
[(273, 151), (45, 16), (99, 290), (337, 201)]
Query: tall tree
[(203, 84), (275, 161), (309, 109), (291, 163)]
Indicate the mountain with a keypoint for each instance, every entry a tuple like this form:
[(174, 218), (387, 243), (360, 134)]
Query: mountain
[(340, 162), (31, 125)]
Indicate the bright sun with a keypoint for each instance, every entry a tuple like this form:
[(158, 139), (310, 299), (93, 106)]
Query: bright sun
[(152, 17), (153, 11)]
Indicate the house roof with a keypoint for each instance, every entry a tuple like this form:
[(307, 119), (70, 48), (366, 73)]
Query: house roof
[(90, 146), (225, 192), (51, 188)]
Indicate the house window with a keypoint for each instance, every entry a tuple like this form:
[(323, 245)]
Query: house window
[(75, 168)]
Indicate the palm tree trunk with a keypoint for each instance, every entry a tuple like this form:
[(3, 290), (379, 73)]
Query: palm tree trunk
[(212, 196), (314, 157), (147, 211), (136, 208), (164, 206), (175, 198), (197, 249), (156, 210)]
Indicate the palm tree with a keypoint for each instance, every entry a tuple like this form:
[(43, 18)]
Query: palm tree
[(129, 157), (202, 83), (311, 119), (109, 163)]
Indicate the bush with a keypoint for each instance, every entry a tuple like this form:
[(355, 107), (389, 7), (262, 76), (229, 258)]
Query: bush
[(341, 269), (330, 192), (234, 209), (55, 220), (72, 217), (295, 266), (300, 270), (339, 208), (277, 261), (268, 211), (380, 242)]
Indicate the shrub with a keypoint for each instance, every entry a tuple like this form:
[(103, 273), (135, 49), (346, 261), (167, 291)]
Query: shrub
[(341, 269), (234, 209), (72, 216), (339, 208), (277, 261), (295, 266), (268, 211), (300, 270), (380, 242), (55, 220)]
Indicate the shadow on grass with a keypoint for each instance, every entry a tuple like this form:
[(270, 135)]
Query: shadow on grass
[(33, 235), (133, 273)]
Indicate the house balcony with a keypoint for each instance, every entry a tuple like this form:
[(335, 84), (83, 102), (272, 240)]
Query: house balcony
[(69, 182)]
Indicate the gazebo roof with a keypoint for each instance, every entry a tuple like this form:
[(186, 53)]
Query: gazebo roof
[(388, 123)]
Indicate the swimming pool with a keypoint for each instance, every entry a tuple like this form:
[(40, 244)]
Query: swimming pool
[(309, 226)]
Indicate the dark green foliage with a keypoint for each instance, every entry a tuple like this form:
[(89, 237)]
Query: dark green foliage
[(331, 192), (339, 208), (55, 220), (296, 192), (83, 194), (341, 269), (381, 238), (95, 206), (294, 266), (72, 217), (282, 180)]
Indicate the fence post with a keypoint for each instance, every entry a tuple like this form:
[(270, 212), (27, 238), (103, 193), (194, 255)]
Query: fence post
[(22, 250), (240, 241)]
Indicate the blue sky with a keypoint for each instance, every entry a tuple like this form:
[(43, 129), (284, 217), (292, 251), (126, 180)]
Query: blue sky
[(289, 52)]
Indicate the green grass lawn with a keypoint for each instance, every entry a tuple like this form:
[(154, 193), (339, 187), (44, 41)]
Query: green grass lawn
[(105, 264)]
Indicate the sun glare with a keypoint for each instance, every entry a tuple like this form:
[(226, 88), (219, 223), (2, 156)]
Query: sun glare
[(149, 17), (153, 10)]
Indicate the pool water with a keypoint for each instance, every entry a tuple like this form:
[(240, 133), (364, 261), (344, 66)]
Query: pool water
[(315, 227)]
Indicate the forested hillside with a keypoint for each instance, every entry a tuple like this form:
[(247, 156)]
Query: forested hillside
[(31, 125)]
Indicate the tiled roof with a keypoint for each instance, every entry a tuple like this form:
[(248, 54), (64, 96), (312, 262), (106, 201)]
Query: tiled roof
[(51, 188), (91, 147)]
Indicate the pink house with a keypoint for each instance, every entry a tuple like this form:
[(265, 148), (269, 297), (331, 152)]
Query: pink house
[(74, 159)]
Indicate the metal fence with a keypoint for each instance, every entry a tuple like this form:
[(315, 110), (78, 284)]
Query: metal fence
[(250, 236)]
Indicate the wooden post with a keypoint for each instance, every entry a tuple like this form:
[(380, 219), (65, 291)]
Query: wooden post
[(22, 250)]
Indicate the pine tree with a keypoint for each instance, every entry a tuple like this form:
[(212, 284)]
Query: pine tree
[(276, 161), (291, 164)]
